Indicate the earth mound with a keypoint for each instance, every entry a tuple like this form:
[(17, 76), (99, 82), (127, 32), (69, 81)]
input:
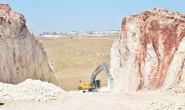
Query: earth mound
[(30, 90)]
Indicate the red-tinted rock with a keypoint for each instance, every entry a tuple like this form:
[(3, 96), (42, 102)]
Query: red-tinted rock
[(141, 57)]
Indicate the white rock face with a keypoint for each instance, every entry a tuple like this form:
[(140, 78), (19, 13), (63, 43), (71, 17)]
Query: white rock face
[(30, 90), (21, 55)]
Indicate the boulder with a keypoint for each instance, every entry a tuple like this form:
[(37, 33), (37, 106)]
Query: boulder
[(149, 53), (22, 56)]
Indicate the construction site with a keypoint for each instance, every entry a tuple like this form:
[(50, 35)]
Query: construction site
[(141, 68)]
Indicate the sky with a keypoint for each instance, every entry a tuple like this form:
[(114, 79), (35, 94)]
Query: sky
[(84, 15)]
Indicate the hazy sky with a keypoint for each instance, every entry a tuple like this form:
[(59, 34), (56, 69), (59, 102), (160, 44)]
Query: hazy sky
[(84, 15)]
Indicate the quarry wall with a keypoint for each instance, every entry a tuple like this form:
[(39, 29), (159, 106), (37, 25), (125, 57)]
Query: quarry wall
[(21, 55), (149, 53)]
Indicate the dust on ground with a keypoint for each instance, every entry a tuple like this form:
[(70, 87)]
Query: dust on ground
[(103, 101)]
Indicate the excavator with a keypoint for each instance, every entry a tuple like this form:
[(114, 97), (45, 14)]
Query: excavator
[(95, 84)]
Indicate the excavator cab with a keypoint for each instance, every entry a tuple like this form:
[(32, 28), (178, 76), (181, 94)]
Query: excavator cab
[(96, 84)]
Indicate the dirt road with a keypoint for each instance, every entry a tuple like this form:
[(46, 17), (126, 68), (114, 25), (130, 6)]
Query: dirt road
[(103, 101)]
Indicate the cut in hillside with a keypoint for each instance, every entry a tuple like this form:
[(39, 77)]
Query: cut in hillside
[(75, 59)]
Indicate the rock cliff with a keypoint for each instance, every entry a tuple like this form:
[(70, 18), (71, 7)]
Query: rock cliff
[(149, 53), (21, 55)]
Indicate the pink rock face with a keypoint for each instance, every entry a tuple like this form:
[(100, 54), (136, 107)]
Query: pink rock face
[(21, 55), (145, 51), (12, 16)]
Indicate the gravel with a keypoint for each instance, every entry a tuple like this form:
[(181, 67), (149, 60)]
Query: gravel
[(29, 90), (166, 106)]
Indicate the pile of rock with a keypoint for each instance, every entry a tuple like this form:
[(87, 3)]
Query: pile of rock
[(29, 90)]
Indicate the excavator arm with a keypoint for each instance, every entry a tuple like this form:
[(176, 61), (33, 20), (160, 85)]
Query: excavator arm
[(98, 70)]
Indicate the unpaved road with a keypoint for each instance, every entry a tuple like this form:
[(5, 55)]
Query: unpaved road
[(98, 101)]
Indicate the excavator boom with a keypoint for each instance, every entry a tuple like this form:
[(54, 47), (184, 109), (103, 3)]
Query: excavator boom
[(97, 71)]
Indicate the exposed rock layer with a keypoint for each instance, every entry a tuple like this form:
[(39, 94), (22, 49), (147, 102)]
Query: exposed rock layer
[(21, 55), (149, 53)]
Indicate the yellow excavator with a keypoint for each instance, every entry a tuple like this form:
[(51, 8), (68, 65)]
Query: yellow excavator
[(95, 84)]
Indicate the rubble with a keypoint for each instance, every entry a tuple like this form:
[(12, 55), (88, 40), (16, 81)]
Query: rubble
[(30, 90), (166, 106)]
